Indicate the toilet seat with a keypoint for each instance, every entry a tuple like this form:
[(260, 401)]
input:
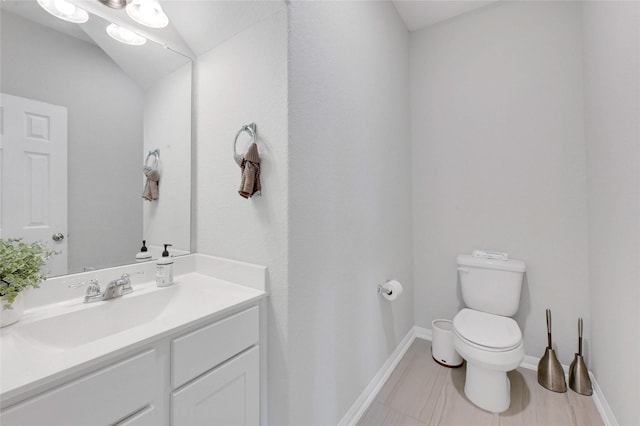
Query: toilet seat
[(486, 331)]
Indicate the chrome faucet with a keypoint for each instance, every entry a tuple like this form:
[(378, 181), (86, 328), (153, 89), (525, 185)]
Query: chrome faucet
[(115, 288)]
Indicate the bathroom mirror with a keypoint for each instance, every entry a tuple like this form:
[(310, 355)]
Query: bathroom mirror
[(80, 113)]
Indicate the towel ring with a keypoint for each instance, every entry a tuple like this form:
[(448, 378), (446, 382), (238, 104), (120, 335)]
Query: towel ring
[(156, 157), (252, 129)]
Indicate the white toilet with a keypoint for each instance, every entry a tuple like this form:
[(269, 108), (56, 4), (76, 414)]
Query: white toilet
[(484, 334)]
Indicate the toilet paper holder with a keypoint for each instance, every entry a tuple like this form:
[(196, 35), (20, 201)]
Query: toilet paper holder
[(382, 290), (390, 290)]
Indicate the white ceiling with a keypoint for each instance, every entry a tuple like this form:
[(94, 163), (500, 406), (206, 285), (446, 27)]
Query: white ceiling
[(418, 14), (205, 24), (31, 11), (195, 26), (169, 36), (144, 64)]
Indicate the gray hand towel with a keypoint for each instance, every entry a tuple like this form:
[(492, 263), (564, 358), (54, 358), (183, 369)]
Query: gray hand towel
[(250, 176), (150, 192)]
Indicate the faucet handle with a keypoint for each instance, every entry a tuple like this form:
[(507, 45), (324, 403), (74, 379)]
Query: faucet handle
[(126, 277), (126, 282), (93, 291), (90, 283)]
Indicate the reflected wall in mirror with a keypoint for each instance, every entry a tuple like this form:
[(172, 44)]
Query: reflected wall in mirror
[(81, 108)]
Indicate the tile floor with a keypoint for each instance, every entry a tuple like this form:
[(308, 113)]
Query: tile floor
[(421, 392)]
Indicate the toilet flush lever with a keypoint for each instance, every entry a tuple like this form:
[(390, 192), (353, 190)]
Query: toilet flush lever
[(463, 269)]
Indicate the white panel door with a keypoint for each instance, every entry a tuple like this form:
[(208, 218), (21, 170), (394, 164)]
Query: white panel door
[(33, 174), (227, 396)]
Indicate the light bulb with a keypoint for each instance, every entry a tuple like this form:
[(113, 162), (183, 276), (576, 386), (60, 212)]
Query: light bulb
[(64, 7), (64, 10), (147, 12), (125, 35)]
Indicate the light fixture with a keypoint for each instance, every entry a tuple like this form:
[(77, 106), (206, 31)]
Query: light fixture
[(64, 10), (147, 12), (114, 4), (124, 35)]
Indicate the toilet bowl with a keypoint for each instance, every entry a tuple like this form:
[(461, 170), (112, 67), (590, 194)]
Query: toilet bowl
[(492, 345), (484, 334)]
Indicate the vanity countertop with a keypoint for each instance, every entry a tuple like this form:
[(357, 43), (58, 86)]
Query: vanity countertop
[(54, 341)]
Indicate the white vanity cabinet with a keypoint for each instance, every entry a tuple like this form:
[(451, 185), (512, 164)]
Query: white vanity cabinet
[(216, 373), (228, 395), (204, 374), (107, 396)]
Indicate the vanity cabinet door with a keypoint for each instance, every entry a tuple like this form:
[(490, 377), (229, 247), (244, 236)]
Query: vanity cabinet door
[(227, 396), (105, 397)]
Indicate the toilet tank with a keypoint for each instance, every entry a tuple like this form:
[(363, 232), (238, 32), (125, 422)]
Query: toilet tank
[(490, 285)]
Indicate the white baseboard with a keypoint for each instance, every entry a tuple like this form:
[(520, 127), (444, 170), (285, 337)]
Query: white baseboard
[(602, 405), (529, 362), (369, 393), (422, 333)]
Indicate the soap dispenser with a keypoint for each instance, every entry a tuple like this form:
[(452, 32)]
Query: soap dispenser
[(143, 254), (164, 269)]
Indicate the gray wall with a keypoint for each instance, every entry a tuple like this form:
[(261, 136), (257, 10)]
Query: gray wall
[(334, 219), (349, 201), (105, 135), (612, 71), (499, 161), (244, 80)]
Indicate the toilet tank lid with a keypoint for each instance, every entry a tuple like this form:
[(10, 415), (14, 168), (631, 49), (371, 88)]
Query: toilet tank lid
[(513, 265)]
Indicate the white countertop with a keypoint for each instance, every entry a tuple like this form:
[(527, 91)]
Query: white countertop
[(27, 363)]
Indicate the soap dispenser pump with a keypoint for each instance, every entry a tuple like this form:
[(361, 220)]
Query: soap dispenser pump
[(164, 269), (143, 254)]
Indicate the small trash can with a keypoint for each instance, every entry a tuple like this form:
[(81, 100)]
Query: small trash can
[(442, 349)]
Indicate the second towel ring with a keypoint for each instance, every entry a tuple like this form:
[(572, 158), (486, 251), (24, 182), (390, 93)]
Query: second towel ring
[(155, 155), (252, 129)]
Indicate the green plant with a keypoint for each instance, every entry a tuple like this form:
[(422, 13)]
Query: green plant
[(20, 266)]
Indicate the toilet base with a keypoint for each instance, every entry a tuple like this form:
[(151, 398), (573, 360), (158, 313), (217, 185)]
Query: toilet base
[(488, 389)]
